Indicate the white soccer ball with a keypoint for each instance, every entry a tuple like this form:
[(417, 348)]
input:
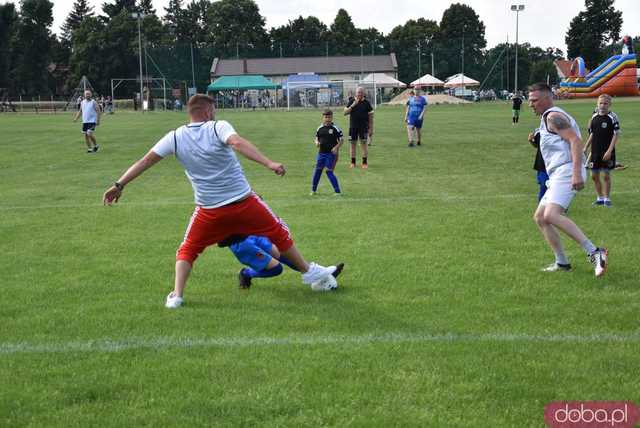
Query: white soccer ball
[(328, 283)]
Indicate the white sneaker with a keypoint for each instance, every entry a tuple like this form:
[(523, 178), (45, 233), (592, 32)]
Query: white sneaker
[(316, 273), (173, 301), (328, 283), (600, 261), (557, 267)]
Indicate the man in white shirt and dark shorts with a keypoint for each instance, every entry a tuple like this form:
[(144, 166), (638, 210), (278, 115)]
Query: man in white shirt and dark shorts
[(90, 111), (225, 203), (561, 148)]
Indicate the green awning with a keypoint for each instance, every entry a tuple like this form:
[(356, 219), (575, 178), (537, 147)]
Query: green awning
[(227, 83)]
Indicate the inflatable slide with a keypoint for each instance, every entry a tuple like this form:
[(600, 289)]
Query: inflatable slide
[(617, 76)]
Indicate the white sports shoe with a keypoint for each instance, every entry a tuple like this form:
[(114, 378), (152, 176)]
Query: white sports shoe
[(316, 273), (328, 283), (600, 261), (173, 301)]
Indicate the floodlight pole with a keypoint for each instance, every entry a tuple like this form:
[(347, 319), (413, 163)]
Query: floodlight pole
[(517, 9), (419, 59), (193, 74), (462, 53), (433, 73), (361, 60), (139, 16)]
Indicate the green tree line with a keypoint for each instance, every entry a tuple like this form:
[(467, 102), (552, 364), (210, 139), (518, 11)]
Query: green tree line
[(103, 44)]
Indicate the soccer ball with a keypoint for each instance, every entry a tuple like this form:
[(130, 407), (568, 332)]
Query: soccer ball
[(328, 283)]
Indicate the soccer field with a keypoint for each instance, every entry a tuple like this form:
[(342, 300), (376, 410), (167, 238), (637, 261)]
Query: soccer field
[(443, 317)]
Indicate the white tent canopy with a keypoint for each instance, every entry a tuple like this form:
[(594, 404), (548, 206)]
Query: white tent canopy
[(460, 80), (383, 80), (427, 80)]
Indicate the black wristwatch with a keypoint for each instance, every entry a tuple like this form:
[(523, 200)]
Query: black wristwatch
[(118, 186)]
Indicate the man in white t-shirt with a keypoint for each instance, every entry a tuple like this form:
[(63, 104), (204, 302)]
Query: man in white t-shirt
[(561, 149), (90, 111), (225, 203)]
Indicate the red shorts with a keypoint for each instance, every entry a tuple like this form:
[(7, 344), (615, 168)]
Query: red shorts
[(251, 216)]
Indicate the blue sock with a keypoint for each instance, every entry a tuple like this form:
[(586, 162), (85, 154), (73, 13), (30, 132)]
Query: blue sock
[(287, 262), (316, 179), (334, 181), (264, 273)]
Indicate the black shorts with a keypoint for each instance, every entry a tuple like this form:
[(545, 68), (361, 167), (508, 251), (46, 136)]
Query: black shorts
[(356, 134), (602, 165), (88, 128)]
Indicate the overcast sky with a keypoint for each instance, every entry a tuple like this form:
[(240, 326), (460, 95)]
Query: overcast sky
[(543, 22)]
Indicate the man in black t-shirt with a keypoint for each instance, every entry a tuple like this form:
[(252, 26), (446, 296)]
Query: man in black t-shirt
[(604, 130), (328, 140), (517, 102), (360, 125)]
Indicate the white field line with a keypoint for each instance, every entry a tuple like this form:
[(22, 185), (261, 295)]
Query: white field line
[(160, 343), (300, 200)]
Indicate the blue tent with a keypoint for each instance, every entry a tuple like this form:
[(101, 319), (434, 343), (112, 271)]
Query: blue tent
[(304, 81)]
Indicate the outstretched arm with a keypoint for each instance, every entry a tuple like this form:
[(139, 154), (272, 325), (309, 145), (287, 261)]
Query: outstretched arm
[(114, 192), (249, 151)]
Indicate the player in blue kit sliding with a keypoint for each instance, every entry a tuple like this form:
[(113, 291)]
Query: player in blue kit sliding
[(261, 256)]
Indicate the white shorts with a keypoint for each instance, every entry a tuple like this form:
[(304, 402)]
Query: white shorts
[(559, 189)]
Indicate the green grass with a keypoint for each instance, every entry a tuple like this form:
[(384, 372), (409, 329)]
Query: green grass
[(442, 319)]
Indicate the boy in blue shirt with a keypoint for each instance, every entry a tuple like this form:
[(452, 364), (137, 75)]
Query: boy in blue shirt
[(328, 140), (416, 107)]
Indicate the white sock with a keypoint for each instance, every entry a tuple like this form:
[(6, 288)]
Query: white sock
[(588, 246), (561, 258)]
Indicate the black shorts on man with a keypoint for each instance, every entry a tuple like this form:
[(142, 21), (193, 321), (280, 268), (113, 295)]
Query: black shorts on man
[(88, 127), (356, 134)]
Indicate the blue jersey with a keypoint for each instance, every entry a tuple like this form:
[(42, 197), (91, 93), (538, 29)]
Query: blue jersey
[(416, 105)]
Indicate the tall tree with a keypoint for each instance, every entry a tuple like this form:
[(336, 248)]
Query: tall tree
[(175, 21), (33, 44), (415, 37), (591, 30), (197, 21), (372, 40), (461, 26), (300, 37), (146, 7), (343, 37), (113, 9), (236, 27), (88, 57), (80, 10), (8, 28)]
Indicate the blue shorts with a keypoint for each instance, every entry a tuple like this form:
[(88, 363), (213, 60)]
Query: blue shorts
[(414, 122), (254, 251), (326, 160)]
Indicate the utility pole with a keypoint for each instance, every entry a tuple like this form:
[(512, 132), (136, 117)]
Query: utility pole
[(139, 16), (517, 9)]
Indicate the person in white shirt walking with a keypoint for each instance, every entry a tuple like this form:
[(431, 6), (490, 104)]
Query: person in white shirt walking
[(561, 148), (225, 203), (90, 111)]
